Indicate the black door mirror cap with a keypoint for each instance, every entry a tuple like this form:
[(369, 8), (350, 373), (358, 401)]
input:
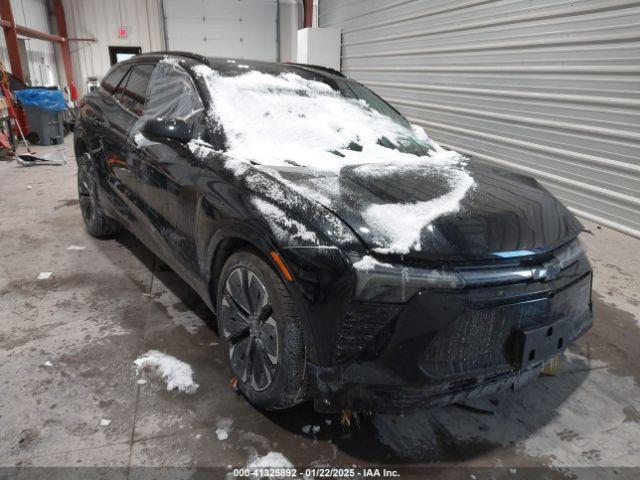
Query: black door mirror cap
[(163, 129)]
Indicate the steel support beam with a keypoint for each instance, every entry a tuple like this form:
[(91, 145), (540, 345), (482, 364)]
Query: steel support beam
[(61, 23), (11, 38), (308, 13)]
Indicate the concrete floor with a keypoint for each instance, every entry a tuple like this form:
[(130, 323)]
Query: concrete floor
[(107, 304)]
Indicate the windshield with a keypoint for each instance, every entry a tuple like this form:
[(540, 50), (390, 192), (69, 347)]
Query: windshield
[(284, 117)]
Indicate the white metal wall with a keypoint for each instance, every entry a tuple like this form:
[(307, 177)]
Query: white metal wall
[(41, 61), (548, 87), (100, 19), (226, 28)]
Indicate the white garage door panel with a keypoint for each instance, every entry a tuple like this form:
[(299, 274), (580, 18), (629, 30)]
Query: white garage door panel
[(223, 28), (247, 50), (219, 29), (221, 9), (548, 87)]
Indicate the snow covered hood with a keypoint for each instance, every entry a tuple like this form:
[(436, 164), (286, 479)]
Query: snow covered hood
[(503, 215), (335, 142)]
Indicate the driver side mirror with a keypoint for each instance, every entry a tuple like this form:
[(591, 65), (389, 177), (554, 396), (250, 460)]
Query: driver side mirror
[(160, 129)]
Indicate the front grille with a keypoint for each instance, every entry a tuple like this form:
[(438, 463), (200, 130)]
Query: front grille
[(479, 339), (361, 328)]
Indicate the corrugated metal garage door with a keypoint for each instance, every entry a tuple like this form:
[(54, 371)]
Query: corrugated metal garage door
[(223, 28), (551, 88)]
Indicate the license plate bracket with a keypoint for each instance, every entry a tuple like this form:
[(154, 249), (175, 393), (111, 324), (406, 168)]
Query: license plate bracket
[(536, 345)]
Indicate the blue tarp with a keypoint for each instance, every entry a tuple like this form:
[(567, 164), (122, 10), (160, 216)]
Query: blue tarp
[(43, 98)]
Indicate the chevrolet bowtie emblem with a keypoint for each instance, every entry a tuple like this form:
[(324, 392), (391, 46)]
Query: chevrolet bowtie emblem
[(547, 272)]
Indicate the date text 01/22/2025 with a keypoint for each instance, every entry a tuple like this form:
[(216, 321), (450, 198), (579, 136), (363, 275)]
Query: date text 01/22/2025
[(315, 473)]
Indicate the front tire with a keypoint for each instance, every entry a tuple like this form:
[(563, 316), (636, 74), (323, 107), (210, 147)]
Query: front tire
[(96, 221), (262, 332)]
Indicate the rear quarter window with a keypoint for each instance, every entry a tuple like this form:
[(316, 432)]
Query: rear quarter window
[(113, 78), (134, 93)]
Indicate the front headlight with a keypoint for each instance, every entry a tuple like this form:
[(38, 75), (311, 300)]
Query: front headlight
[(386, 283), (570, 254)]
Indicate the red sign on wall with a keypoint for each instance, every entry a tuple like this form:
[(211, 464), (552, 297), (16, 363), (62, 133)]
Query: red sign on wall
[(122, 32)]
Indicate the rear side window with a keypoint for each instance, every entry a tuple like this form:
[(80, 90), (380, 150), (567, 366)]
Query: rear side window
[(113, 78), (132, 96)]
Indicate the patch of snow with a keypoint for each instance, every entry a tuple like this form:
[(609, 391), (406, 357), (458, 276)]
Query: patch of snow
[(369, 263), (142, 141), (401, 223), (75, 248), (44, 275), (176, 373), (171, 61), (283, 224), (48, 363), (200, 148), (105, 422), (278, 119), (270, 460)]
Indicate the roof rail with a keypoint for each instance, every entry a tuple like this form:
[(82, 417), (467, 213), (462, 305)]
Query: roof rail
[(316, 67), (193, 56)]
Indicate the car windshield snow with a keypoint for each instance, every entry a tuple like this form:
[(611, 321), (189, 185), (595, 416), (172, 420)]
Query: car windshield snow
[(275, 118)]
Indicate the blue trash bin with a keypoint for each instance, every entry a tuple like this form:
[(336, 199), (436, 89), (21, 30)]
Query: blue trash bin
[(44, 109)]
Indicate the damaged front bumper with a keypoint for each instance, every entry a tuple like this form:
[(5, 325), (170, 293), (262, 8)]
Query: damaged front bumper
[(446, 346)]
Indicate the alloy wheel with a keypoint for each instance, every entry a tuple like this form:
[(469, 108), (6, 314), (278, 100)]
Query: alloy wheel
[(86, 190), (249, 329)]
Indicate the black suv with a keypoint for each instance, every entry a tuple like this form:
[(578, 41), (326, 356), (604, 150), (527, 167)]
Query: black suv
[(349, 259)]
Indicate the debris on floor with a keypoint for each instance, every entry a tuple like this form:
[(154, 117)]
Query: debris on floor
[(48, 363), (176, 373), (223, 428), (75, 248), (55, 158), (311, 429), (347, 417), (44, 275), (105, 423), (29, 187)]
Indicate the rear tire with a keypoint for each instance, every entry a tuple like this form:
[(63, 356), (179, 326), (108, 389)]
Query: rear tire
[(96, 221), (262, 332)]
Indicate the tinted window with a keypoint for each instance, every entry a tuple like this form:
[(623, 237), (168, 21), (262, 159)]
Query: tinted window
[(133, 94), (112, 79)]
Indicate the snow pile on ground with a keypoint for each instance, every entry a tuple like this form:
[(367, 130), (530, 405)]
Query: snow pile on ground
[(287, 120), (176, 373), (270, 460)]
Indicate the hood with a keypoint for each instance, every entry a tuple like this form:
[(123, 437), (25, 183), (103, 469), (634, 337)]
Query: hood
[(503, 215)]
